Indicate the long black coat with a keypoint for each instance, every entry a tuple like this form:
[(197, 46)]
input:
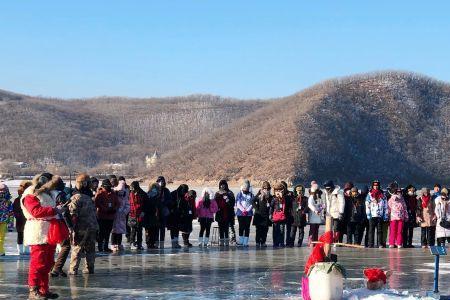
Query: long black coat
[(261, 213), (299, 211)]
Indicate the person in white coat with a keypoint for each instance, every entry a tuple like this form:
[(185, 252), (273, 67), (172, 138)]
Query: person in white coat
[(316, 212), (442, 211), (334, 199)]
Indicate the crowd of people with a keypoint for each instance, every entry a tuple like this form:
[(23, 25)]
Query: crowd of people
[(94, 216)]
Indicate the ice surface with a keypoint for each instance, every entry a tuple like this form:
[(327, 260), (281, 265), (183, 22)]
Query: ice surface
[(216, 274)]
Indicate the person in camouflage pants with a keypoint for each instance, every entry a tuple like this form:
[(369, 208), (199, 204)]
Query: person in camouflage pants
[(83, 213)]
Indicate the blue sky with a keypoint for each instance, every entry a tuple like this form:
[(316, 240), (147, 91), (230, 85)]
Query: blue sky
[(245, 49)]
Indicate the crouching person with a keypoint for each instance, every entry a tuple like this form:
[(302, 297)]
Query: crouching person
[(43, 230), (85, 226)]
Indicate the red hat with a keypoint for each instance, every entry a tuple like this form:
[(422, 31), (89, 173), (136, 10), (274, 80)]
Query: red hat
[(374, 275)]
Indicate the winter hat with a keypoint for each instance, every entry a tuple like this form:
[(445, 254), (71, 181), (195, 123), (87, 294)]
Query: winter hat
[(266, 185), (160, 179), (328, 184), (444, 191), (354, 189), (377, 182), (106, 183), (374, 275), (348, 186), (279, 187)]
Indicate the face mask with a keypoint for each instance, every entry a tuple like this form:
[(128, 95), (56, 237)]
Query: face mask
[(411, 193)]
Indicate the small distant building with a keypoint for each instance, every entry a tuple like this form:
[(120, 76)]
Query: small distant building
[(116, 166), (151, 160), (20, 164)]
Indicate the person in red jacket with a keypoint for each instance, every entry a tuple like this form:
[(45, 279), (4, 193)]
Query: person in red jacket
[(107, 203), (138, 199), (43, 230)]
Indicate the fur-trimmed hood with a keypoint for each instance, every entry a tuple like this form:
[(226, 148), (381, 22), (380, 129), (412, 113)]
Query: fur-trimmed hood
[(47, 187)]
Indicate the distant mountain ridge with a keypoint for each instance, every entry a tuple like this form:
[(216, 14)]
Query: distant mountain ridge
[(386, 125)]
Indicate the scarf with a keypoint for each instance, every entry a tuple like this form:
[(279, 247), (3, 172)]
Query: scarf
[(376, 194), (426, 201)]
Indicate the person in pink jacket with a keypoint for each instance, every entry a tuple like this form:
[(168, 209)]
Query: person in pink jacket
[(398, 214), (206, 208)]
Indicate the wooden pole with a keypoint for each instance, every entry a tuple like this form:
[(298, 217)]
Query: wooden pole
[(343, 245), (327, 246)]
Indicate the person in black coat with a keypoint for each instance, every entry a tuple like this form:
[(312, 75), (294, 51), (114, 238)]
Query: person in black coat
[(299, 213), (289, 218), (356, 217), (261, 214), (164, 202), (230, 199), (173, 221), (152, 216), (187, 215)]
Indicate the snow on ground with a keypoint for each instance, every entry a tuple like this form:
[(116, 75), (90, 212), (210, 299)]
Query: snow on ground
[(444, 268), (365, 294)]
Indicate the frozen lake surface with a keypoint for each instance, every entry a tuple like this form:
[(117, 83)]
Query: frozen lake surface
[(217, 274)]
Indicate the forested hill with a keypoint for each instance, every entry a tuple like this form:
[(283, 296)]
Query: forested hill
[(89, 133), (387, 125)]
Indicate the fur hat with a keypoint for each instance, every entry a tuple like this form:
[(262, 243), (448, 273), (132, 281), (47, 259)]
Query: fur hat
[(444, 191), (278, 187)]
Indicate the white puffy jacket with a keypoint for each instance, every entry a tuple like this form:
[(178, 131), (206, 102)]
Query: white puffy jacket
[(335, 203)]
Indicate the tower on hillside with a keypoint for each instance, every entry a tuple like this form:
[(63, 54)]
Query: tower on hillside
[(151, 160)]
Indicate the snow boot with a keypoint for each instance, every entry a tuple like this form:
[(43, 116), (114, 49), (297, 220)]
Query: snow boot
[(176, 245), (20, 249), (241, 241), (205, 242), (34, 294), (227, 242), (245, 244), (221, 242), (200, 242), (186, 240)]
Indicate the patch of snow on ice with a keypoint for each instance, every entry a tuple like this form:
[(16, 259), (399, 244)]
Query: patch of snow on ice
[(365, 294)]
